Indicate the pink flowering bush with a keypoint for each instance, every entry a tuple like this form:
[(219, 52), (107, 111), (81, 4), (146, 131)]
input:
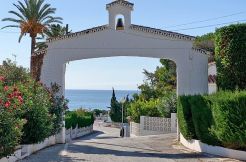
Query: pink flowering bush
[(29, 112), (11, 124)]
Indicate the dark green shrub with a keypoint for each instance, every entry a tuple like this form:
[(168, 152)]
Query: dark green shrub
[(10, 133), (229, 115), (186, 125), (36, 111), (71, 119), (14, 74), (79, 118), (202, 119), (168, 104), (57, 108), (217, 119), (230, 56)]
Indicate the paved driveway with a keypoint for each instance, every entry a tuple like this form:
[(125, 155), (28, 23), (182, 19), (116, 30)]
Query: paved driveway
[(105, 146)]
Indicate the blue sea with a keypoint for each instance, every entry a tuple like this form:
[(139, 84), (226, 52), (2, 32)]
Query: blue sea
[(94, 99)]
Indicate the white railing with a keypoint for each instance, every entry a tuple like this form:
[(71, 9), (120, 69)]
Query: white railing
[(24, 151), (78, 132), (154, 126)]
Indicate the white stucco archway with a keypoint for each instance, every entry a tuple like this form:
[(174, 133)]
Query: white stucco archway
[(134, 40)]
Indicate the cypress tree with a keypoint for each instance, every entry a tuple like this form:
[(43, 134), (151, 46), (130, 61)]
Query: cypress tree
[(115, 110)]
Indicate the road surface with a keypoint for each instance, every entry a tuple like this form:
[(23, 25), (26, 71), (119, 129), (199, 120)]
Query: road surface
[(105, 145)]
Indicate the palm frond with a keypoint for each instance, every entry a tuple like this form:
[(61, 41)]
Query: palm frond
[(20, 37), (12, 20), (32, 17), (17, 14), (11, 26), (23, 9)]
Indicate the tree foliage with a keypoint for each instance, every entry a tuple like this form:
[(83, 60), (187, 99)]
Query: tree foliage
[(32, 17), (231, 57), (160, 82), (206, 42), (158, 93), (55, 30)]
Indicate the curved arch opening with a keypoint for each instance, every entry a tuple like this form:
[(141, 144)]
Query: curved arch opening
[(124, 74)]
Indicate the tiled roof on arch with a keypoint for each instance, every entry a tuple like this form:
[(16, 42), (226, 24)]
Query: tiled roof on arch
[(120, 2), (80, 33), (164, 33)]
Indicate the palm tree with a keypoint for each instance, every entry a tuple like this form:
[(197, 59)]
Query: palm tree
[(55, 30), (33, 17)]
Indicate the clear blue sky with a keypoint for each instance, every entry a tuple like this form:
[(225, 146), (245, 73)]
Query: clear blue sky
[(121, 73)]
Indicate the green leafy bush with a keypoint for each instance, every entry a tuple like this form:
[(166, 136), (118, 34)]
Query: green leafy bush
[(13, 74), (186, 125), (217, 119), (168, 104), (10, 133), (80, 118), (71, 119), (230, 56), (39, 121), (202, 119), (57, 108), (144, 108), (229, 114)]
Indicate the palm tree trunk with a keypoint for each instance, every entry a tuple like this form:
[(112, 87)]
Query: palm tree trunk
[(32, 62)]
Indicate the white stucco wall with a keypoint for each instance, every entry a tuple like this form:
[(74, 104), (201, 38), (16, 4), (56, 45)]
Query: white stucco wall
[(212, 70), (212, 88)]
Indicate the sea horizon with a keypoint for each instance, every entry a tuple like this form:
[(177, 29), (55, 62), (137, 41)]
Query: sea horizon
[(94, 99), (104, 89)]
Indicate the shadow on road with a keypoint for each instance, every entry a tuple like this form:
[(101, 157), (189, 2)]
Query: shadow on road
[(93, 135), (86, 149)]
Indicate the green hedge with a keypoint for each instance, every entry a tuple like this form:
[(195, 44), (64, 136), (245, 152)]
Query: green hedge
[(202, 119), (78, 117), (217, 119), (230, 56), (185, 118), (229, 114)]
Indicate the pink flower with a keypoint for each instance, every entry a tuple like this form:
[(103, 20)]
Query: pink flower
[(1, 78), (20, 99), (7, 104), (6, 88)]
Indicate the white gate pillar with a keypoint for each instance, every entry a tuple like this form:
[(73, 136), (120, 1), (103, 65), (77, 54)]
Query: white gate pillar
[(192, 75), (53, 71)]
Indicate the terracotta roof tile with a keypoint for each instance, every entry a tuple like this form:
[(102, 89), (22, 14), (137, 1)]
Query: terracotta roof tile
[(120, 2), (212, 79)]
